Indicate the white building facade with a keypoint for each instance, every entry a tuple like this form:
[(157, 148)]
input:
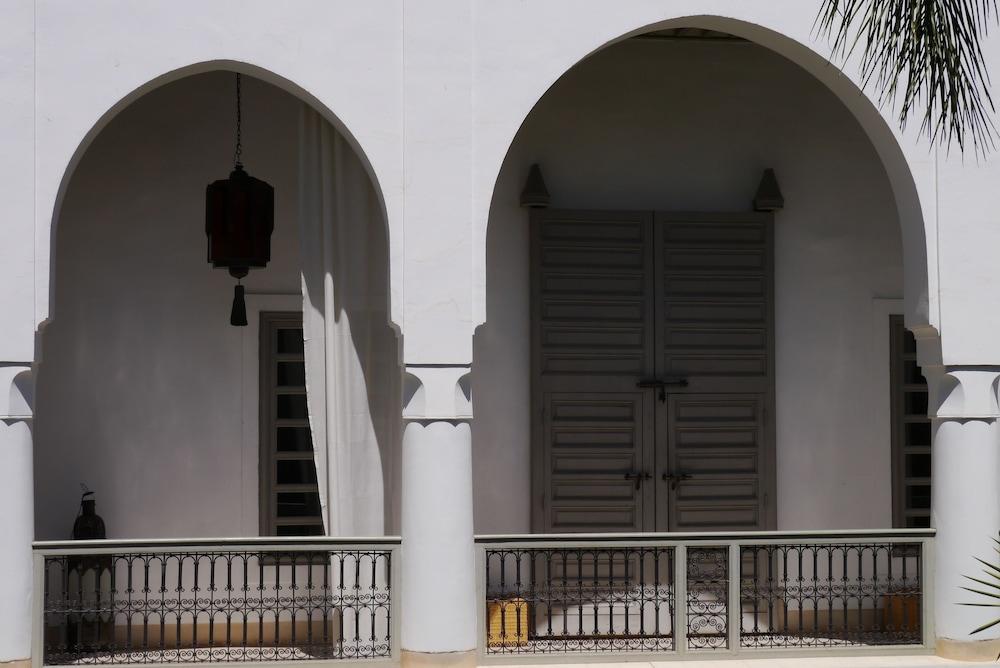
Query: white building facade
[(646, 348)]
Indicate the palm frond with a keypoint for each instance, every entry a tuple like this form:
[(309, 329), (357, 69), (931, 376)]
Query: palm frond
[(925, 55), (991, 585), (988, 625), (992, 593), (992, 569), (983, 593)]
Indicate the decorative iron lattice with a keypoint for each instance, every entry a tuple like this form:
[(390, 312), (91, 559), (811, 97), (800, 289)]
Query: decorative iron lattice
[(707, 598), (593, 599), (831, 595), (689, 593), (208, 605)]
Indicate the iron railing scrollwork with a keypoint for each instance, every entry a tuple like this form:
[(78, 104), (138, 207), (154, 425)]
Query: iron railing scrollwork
[(557, 600), (828, 595), (261, 600), (671, 594), (707, 607)]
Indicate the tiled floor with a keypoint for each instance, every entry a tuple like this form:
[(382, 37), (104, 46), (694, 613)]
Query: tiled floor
[(798, 662)]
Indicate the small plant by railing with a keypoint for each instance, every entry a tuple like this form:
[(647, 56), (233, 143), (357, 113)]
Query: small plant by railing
[(991, 593), (670, 594), (208, 601)]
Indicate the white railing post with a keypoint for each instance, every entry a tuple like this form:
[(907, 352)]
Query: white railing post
[(680, 599), (37, 611), (733, 608), (482, 587), (395, 625), (927, 598)]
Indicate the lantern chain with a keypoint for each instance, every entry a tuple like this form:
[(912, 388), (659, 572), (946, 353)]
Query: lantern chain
[(238, 157)]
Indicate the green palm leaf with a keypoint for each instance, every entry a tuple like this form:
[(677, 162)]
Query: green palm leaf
[(992, 591), (991, 569), (987, 626), (983, 593), (926, 56)]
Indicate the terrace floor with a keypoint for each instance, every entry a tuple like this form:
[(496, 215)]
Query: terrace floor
[(919, 661)]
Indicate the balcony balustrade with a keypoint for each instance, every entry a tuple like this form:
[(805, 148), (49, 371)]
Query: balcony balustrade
[(259, 600), (673, 595), (657, 595)]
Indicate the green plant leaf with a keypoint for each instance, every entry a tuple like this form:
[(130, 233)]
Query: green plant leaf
[(982, 593), (993, 571), (986, 626), (992, 585), (925, 56)]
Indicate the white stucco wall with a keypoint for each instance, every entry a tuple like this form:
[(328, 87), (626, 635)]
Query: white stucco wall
[(142, 389), (403, 83), (690, 126), (431, 94)]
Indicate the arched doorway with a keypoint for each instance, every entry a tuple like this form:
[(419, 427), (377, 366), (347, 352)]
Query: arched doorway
[(672, 347), (686, 119), (145, 393)]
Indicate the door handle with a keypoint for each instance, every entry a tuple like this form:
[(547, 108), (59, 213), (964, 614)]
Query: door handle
[(675, 479), (638, 477), (661, 384)]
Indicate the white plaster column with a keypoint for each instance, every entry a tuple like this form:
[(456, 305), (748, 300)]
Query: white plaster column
[(438, 601), (965, 504), (17, 505)]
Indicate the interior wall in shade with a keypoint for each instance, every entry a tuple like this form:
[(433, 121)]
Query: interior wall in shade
[(140, 393)]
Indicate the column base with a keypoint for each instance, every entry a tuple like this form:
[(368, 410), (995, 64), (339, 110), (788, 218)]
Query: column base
[(442, 660), (17, 663), (968, 650)]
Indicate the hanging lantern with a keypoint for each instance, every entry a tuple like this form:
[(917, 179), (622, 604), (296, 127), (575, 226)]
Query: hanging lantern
[(239, 219)]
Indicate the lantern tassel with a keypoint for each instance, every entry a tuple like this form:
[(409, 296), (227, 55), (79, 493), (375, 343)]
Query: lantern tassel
[(239, 315)]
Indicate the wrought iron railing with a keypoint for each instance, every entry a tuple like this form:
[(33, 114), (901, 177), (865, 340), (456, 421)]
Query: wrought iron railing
[(194, 601), (673, 594)]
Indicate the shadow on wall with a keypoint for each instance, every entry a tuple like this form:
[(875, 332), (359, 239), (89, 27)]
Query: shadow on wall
[(139, 392), (356, 411)]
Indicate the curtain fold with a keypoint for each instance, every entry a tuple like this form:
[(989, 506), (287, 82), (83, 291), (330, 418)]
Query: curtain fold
[(352, 379)]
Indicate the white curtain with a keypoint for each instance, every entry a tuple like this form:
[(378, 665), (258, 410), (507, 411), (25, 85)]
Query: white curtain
[(351, 355)]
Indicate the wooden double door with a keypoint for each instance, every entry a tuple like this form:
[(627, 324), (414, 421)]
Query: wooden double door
[(652, 371)]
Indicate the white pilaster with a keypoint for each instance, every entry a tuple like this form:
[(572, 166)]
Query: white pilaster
[(965, 504), (17, 504), (438, 602), (438, 63)]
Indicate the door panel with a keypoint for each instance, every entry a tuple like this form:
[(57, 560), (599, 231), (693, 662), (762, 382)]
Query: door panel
[(714, 306), (715, 328), (718, 440), (593, 441), (592, 296), (592, 331)]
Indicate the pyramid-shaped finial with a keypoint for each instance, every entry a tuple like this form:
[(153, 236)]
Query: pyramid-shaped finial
[(768, 197), (535, 195)]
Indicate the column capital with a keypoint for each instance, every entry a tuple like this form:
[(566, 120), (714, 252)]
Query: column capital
[(437, 392), (17, 391), (963, 392)]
